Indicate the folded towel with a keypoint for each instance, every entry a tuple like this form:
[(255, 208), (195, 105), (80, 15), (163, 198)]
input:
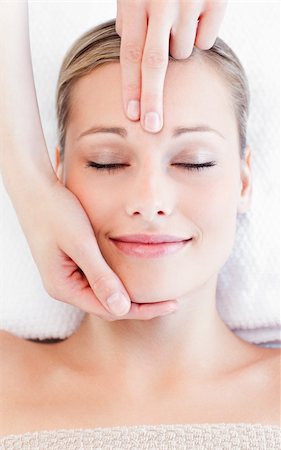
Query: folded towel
[(248, 287), (221, 436)]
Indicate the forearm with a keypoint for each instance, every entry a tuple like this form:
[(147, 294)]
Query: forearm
[(23, 150)]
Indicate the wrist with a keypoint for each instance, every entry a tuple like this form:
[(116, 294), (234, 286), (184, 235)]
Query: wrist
[(24, 176)]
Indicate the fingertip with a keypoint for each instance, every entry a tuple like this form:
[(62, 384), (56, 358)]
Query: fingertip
[(152, 122), (118, 304), (205, 44), (133, 109)]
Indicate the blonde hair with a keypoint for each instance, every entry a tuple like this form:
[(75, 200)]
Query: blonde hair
[(101, 45)]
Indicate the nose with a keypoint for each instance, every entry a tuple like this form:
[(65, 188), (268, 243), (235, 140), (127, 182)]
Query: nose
[(151, 196)]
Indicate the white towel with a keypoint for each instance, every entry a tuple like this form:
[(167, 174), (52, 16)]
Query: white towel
[(248, 288)]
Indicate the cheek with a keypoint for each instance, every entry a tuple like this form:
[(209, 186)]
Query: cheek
[(94, 198), (213, 210)]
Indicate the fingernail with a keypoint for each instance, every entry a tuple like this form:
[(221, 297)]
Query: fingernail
[(152, 121), (133, 109), (118, 304)]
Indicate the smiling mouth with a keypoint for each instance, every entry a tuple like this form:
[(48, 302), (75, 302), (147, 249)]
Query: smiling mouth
[(150, 250)]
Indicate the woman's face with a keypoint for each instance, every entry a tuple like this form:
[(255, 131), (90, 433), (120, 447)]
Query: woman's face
[(152, 192)]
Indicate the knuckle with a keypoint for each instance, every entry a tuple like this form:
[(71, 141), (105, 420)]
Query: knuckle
[(150, 98), (52, 289), (103, 286), (132, 53), (181, 53), (218, 5), (205, 42), (80, 248), (57, 288), (154, 59), (100, 280), (132, 88)]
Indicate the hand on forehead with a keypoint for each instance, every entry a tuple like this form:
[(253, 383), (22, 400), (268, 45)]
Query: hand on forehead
[(194, 97), (149, 31)]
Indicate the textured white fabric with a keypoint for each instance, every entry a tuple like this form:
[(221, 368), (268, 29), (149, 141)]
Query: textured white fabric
[(220, 436), (248, 289)]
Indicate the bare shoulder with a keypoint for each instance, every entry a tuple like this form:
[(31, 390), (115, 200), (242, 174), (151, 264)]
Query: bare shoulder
[(25, 364), (273, 363), (258, 383), (270, 357), (267, 363), (14, 361), (14, 356), (10, 346), (18, 356), (22, 362), (270, 386)]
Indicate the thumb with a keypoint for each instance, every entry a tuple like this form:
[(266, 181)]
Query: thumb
[(105, 284)]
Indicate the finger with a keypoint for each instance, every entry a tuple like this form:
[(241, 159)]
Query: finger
[(208, 26), (182, 39), (118, 21), (147, 311), (103, 281), (131, 51), (138, 311), (154, 66), (184, 29), (75, 290), (66, 282), (72, 287), (90, 303)]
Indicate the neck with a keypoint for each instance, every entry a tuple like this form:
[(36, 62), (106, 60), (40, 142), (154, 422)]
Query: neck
[(194, 340)]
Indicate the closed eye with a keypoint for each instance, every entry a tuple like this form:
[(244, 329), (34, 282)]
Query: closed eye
[(108, 167), (195, 166), (115, 167)]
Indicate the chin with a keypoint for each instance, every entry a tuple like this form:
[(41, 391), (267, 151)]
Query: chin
[(163, 279), (149, 288), (152, 295)]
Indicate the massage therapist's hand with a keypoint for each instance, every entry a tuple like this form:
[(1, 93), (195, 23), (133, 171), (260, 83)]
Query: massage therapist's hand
[(62, 241), (149, 30), (54, 222)]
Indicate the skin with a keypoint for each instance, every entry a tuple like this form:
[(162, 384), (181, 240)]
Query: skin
[(135, 368), (203, 205), (149, 30), (132, 372)]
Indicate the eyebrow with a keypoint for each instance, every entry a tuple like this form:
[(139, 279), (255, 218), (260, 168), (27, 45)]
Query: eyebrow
[(122, 132)]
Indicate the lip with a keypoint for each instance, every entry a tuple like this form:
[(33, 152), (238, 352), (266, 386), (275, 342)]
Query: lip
[(149, 238), (149, 246)]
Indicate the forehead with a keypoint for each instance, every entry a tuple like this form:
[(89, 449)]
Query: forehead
[(194, 94)]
